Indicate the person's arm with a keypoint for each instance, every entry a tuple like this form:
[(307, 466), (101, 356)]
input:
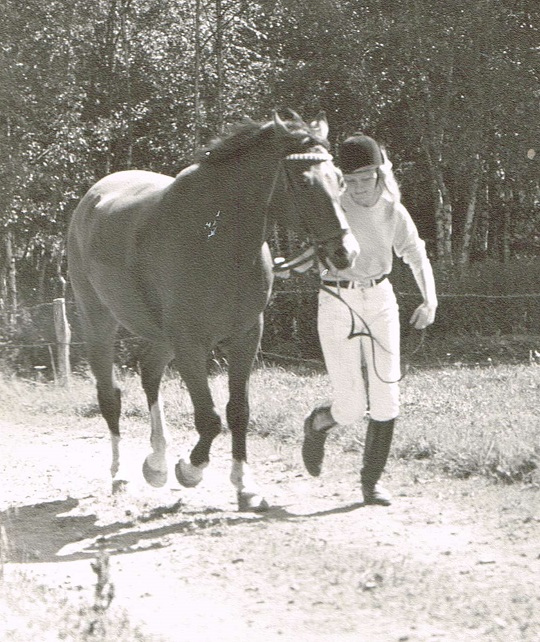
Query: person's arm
[(412, 249), (424, 314)]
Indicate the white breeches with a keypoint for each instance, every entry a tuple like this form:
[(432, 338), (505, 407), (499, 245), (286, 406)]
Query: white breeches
[(353, 393)]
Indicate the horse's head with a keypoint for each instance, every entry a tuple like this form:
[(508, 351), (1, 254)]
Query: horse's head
[(312, 187)]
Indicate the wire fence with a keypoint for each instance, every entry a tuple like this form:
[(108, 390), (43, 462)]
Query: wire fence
[(470, 295), (34, 328)]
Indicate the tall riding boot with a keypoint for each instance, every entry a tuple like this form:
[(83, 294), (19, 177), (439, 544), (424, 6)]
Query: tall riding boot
[(378, 439)]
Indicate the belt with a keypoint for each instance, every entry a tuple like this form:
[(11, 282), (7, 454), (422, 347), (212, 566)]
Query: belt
[(349, 285)]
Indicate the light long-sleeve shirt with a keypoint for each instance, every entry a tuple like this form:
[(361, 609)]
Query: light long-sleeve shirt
[(380, 230)]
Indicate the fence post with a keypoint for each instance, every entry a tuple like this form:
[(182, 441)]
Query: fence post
[(63, 339)]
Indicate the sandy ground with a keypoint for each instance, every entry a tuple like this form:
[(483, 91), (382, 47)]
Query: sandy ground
[(449, 560)]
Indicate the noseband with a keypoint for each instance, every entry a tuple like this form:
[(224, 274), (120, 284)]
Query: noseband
[(314, 157)]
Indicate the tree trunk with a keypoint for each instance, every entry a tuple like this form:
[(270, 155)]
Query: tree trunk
[(129, 97), (443, 219), (219, 65), (110, 51), (470, 217), (3, 281), (43, 261), (11, 280), (197, 73), (443, 210), (508, 197)]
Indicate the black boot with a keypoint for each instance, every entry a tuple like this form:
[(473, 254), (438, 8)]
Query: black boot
[(378, 439), (316, 427)]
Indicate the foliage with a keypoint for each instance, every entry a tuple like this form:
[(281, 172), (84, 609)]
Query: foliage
[(90, 89), (458, 421)]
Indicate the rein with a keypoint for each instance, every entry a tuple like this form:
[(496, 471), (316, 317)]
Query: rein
[(369, 334), (296, 261), (301, 258)]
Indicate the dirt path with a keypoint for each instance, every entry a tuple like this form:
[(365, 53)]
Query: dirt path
[(449, 560)]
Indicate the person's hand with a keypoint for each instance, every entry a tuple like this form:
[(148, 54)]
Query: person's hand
[(281, 274), (423, 316)]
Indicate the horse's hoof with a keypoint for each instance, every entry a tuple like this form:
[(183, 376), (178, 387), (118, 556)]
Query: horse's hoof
[(156, 478), (252, 503), (187, 474), (119, 486)]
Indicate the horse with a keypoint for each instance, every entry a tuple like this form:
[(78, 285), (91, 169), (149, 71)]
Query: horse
[(183, 264)]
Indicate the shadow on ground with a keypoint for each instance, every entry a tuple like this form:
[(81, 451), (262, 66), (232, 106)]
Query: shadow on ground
[(45, 532)]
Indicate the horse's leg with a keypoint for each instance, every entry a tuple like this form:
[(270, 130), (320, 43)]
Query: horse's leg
[(152, 363), (241, 357), (192, 366), (99, 330)]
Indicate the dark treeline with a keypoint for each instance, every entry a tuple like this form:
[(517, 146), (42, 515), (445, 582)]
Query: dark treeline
[(88, 88)]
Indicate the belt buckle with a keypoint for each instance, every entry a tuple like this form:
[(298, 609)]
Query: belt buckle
[(365, 285)]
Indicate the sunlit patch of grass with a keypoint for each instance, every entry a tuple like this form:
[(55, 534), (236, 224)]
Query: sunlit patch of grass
[(30, 611), (462, 421), (479, 421)]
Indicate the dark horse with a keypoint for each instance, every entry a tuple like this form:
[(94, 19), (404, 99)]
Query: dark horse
[(183, 263)]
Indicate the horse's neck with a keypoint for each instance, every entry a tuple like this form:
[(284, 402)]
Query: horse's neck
[(232, 189), (226, 200)]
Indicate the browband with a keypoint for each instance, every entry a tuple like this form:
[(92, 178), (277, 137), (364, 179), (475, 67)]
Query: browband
[(310, 156)]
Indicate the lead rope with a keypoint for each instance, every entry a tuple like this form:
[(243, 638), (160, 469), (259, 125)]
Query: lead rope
[(369, 334)]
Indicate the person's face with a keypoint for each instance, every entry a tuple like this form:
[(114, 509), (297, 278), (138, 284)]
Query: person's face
[(363, 186)]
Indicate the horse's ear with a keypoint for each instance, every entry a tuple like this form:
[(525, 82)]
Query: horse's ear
[(320, 125), (280, 126)]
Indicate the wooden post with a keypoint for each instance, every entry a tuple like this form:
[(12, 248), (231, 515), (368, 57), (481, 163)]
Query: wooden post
[(63, 339)]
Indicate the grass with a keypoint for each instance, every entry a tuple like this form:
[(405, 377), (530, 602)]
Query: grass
[(478, 421), (30, 611), (462, 421)]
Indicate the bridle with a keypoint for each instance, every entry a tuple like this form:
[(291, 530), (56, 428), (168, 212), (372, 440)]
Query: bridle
[(301, 258), (315, 157)]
